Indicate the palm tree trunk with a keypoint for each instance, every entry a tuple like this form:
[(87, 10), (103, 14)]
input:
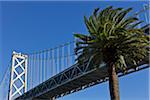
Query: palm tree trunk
[(113, 83)]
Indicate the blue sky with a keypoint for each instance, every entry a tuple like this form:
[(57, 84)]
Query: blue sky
[(32, 26)]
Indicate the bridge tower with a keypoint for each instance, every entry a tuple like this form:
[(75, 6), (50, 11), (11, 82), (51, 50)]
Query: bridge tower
[(18, 77)]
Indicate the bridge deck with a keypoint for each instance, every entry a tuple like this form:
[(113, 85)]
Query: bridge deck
[(71, 80), (74, 79)]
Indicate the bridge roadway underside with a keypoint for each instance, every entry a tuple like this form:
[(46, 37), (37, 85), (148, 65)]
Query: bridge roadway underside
[(72, 80)]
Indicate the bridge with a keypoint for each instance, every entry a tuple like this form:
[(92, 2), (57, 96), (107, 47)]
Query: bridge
[(53, 73), (73, 79)]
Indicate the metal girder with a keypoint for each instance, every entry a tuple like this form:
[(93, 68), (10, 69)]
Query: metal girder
[(54, 81), (19, 61), (71, 80)]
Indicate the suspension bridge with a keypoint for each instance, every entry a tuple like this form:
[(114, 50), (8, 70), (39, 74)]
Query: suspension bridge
[(53, 73)]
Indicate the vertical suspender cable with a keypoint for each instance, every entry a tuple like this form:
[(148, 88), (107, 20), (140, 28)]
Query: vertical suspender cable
[(48, 64), (36, 75), (58, 60), (28, 71), (52, 62), (68, 56), (33, 70), (55, 66), (75, 57), (44, 67), (34, 78), (41, 67), (55, 63), (62, 58)]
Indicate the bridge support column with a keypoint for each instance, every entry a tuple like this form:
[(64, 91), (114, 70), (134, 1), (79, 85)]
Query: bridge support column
[(18, 78)]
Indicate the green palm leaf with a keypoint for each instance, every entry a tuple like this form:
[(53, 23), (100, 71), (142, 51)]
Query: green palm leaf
[(113, 34)]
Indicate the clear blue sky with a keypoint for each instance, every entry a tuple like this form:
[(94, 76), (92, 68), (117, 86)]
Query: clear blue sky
[(32, 26)]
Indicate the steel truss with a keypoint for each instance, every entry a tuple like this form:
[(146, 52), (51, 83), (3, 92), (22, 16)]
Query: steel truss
[(73, 79)]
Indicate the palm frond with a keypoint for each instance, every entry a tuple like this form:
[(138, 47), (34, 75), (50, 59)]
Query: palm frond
[(113, 37)]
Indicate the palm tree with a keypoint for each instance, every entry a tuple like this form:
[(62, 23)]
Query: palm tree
[(115, 39)]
